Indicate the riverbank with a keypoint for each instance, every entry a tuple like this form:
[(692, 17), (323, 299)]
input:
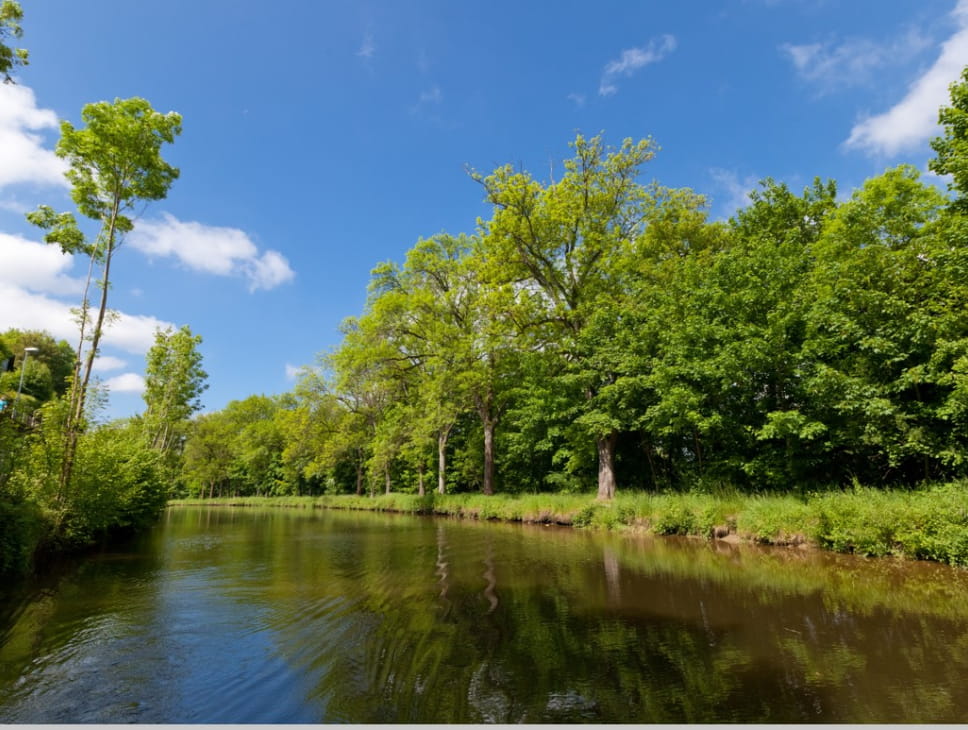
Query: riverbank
[(929, 523)]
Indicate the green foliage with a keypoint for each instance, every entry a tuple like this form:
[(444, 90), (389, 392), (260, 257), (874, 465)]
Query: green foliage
[(238, 451), (952, 147), (47, 372), (20, 530), (174, 382), (118, 484), (11, 14), (776, 519)]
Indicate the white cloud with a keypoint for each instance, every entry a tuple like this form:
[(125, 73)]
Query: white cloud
[(367, 48), (132, 333), (914, 119), (736, 192), (853, 62), (292, 371), (23, 157), (13, 205), (126, 383), (211, 249), (106, 363), (634, 59), (25, 310), (39, 267)]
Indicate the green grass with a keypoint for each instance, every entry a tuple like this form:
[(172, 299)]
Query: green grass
[(930, 523)]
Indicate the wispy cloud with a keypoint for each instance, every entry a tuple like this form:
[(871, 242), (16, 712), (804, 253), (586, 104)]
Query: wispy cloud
[(633, 60), (735, 191), (23, 157), (914, 118), (367, 47), (292, 371), (423, 61), (577, 99), (432, 96), (428, 103), (211, 249), (855, 62)]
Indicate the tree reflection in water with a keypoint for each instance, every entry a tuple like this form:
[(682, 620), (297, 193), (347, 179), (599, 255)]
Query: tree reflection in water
[(378, 618)]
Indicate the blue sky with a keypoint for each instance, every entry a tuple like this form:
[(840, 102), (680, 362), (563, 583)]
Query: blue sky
[(321, 138)]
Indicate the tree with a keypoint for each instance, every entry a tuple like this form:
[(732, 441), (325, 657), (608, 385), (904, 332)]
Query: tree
[(885, 328), (174, 382), (56, 355), (559, 242), (10, 16), (115, 164), (433, 314)]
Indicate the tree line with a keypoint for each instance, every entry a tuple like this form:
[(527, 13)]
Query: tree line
[(601, 330)]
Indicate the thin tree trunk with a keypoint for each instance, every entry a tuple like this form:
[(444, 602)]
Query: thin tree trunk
[(421, 490), (76, 415), (442, 459), (488, 486), (648, 454), (386, 475), (489, 421), (359, 477), (606, 466), (98, 327)]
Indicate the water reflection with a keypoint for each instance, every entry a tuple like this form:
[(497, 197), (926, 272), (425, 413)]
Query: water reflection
[(275, 616)]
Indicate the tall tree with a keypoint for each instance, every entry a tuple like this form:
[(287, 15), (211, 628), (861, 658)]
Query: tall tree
[(115, 164), (561, 241)]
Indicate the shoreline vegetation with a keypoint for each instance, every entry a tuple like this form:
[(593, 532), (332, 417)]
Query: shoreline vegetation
[(928, 523)]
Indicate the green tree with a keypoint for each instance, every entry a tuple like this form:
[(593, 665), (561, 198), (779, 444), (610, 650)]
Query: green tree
[(57, 355), (433, 311), (885, 328), (115, 164), (560, 242), (174, 383)]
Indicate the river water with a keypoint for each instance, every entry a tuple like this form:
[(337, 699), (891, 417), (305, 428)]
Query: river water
[(288, 616)]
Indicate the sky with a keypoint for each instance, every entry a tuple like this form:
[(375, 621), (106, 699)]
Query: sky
[(322, 138)]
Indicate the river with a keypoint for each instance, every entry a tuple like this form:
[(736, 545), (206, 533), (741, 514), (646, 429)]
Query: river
[(223, 615)]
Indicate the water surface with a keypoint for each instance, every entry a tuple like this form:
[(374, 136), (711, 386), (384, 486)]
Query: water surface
[(276, 616)]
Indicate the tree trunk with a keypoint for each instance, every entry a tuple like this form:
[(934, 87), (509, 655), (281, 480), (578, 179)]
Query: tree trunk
[(359, 477), (489, 420), (421, 491), (75, 417), (442, 459), (488, 487), (606, 466), (386, 475)]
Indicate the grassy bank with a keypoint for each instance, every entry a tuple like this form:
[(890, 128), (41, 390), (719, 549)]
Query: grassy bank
[(930, 523)]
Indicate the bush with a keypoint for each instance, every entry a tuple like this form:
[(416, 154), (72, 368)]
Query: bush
[(20, 532)]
